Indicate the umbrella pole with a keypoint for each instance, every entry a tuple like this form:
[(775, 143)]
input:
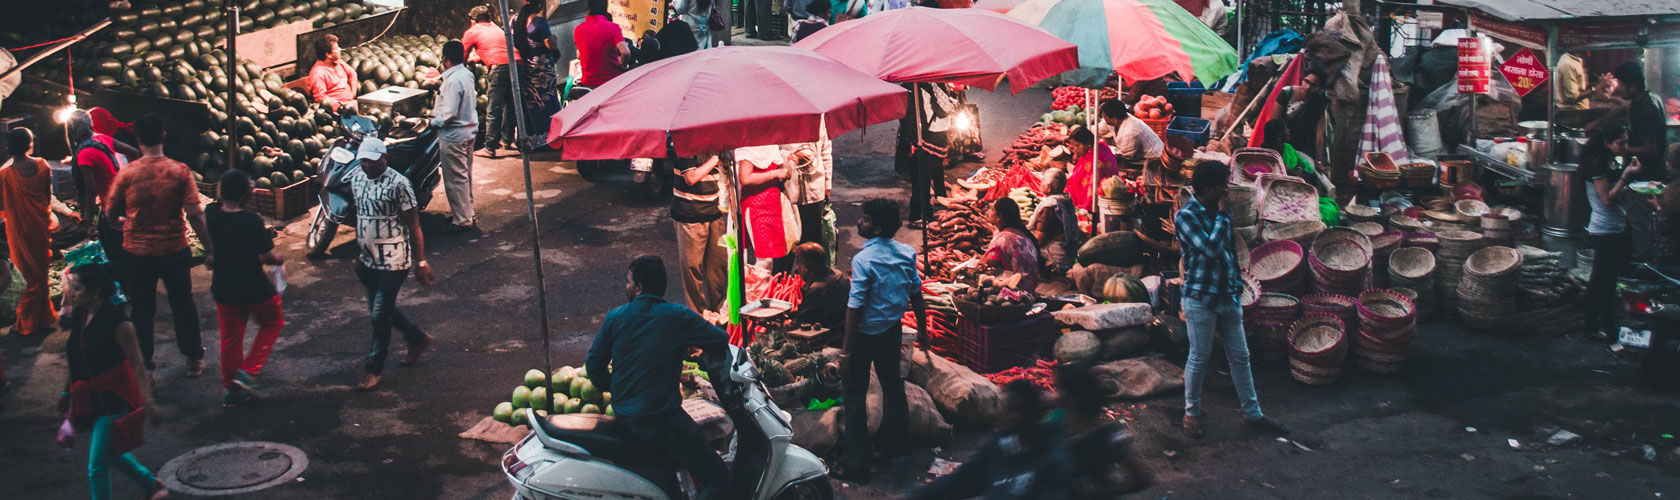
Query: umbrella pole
[(739, 257), (916, 178), (530, 199), (1096, 219)]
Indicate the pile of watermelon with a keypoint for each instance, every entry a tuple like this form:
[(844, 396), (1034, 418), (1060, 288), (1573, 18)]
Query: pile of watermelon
[(568, 391)]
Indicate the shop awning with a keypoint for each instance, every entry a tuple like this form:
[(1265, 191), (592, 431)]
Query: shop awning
[(1596, 25)]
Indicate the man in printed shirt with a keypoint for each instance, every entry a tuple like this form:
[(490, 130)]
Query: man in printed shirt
[(331, 81), (485, 42), (388, 232), (456, 117), (884, 281), (1211, 290)]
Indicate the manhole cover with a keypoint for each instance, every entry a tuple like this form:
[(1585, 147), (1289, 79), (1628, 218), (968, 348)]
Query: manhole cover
[(233, 468)]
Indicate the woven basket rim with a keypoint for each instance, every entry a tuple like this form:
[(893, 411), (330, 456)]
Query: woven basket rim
[(1361, 210), (1285, 300), (1369, 228), (1376, 294), (1317, 324), (1493, 261), (1322, 299), (1274, 232), (1470, 209), (1266, 250), (1458, 236), (1411, 262), (1387, 239)]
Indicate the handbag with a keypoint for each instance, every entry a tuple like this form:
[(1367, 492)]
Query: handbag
[(714, 20)]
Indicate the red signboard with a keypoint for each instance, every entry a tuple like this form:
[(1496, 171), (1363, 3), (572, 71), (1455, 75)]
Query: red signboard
[(1525, 71), (1475, 66)]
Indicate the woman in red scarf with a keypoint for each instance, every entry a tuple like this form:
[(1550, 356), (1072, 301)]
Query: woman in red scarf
[(108, 392)]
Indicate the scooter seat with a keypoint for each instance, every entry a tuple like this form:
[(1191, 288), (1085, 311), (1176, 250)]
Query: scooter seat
[(603, 437)]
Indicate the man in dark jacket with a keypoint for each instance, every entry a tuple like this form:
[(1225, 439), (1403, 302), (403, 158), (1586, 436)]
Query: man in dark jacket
[(1026, 461), (644, 343)]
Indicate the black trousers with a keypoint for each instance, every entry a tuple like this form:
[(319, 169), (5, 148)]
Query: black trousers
[(1610, 256), (382, 288), (928, 180), (174, 270), (880, 351), (676, 435), (500, 120), (810, 230)]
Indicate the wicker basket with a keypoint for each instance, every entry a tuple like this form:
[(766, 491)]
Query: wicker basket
[(1249, 163), (1403, 222), (1279, 266), (1414, 269), (1302, 232), (1361, 213), (1241, 200), (1341, 306), (1284, 198), (1387, 323), (1470, 210), (1268, 325), (1426, 241), (1318, 347), (1368, 228), (1340, 261)]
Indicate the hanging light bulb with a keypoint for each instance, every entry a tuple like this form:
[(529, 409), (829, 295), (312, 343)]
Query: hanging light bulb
[(63, 114)]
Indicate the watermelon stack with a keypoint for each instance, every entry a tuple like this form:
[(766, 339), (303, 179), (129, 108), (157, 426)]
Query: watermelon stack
[(567, 391)]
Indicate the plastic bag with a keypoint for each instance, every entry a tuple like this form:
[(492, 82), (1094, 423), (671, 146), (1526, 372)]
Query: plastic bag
[(277, 275), (66, 434)]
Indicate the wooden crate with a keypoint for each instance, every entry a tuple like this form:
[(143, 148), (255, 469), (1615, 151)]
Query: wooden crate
[(287, 202)]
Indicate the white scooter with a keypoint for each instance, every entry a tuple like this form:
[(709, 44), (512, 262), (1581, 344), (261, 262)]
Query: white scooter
[(593, 457)]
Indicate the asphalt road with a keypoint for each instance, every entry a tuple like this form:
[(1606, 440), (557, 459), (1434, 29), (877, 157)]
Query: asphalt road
[(1366, 437)]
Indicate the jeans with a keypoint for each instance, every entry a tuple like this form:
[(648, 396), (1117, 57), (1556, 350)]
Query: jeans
[(1222, 316), (676, 435), (232, 319), (175, 271), (705, 263), (1610, 256), (458, 180), (881, 351), (499, 122), (382, 288), (100, 459)]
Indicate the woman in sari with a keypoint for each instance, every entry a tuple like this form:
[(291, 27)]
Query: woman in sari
[(27, 200), (1012, 248), (539, 86)]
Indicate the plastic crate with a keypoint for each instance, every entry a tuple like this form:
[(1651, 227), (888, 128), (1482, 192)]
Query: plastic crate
[(1194, 129), (287, 202), (1186, 98), (209, 189), (993, 348)]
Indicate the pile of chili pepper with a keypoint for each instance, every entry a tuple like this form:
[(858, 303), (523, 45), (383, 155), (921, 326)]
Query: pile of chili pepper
[(786, 287), (1042, 374)]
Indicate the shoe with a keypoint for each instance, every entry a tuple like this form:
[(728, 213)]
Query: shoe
[(457, 228), (916, 224), (195, 368), (1269, 424), (1597, 335), (1193, 426), (159, 492), (850, 474), (486, 153), (414, 352), (368, 383), (243, 381), (237, 396)]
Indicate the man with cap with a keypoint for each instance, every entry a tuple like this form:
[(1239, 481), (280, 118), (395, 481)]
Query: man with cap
[(388, 233)]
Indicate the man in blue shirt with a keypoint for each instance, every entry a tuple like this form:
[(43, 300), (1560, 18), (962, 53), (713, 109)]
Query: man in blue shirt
[(884, 281), (644, 343), (1211, 297)]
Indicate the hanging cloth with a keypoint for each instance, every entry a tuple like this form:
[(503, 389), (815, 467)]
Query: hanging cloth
[(1382, 132)]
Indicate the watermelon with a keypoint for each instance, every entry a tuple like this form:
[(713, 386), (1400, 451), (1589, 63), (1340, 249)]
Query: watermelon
[(590, 393), (559, 401), (518, 417), (590, 409), (1124, 289), (534, 378), (1077, 346), (562, 380), (539, 398), (576, 390), (503, 412), (521, 397), (573, 406)]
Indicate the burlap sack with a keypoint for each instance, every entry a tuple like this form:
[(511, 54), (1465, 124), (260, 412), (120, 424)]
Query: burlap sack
[(1139, 378), (1123, 342), (966, 398), (816, 431)]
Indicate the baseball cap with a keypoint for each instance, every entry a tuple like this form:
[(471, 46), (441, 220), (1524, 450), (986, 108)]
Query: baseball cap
[(371, 149)]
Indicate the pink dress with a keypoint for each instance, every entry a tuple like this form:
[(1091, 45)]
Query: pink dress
[(766, 211), (1016, 253)]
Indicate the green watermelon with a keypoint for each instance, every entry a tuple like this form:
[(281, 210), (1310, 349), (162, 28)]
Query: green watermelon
[(539, 398), (562, 380), (590, 393), (1077, 346), (521, 397), (518, 417), (534, 378), (559, 401), (590, 409), (573, 406), (1123, 289), (503, 413)]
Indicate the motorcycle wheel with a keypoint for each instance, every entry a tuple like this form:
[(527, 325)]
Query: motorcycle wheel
[(657, 185), (590, 170), (814, 489), (321, 232)]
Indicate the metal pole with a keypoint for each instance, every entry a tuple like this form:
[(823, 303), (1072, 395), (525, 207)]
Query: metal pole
[(233, 108), (1553, 54), (1096, 173), (43, 54), (530, 198), (1242, 45)]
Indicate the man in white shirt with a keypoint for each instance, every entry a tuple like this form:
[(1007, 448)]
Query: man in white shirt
[(810, 178), (1131, 138), (1573, 92), (456, 117)]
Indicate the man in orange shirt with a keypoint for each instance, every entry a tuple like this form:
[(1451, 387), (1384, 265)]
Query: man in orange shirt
[(331, 81), (156, 199), (485, 42)]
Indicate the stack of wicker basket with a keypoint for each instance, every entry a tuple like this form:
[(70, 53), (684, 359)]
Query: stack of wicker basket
[(1280, 267), (1456, 246), (1387, 323), (1383, 244), (1488, 294), (1268, 322), (1414, 268), (1244, 215), (1342, 307), (1341, 261), (1318, 347)]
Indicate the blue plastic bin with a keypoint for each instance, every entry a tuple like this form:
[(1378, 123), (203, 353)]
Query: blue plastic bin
[(1194, 129), (1186, 98)]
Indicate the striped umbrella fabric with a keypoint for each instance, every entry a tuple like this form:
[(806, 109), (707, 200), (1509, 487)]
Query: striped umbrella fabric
[(1139, 39), (1382, 133)]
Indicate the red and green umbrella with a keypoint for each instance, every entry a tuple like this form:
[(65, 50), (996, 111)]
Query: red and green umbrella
[(1139, 39)]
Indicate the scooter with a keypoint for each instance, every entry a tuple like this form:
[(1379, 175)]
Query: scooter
[(653, 175), (1651, 330), (584, 456), (410, 151)]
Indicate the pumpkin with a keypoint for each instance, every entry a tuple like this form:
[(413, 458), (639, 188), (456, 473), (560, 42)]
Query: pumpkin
[(1124, 289), (1077, 346)]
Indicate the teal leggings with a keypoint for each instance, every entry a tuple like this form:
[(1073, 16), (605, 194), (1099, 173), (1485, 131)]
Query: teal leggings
[(100, 458)]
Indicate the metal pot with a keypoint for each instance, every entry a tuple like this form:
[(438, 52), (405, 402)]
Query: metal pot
[(1565, 201), (1570, 144)]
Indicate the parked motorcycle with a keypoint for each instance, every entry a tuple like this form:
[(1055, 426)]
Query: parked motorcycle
[(1651, 328), (654, 176), (410, 151), (584, 456)]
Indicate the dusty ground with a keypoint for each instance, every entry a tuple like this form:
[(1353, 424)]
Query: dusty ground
[(1366, 437)]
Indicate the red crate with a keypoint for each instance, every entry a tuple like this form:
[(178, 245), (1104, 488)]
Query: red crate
[(997, 347)]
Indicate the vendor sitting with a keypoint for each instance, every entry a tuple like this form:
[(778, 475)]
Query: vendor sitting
[(1295, 162), (1012, 248), (1079, 181), (823, 298), (1132, 139), (331, 80), (1055, 225)]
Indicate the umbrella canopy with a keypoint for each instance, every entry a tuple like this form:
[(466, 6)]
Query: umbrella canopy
[(1139, 39), (722, 98), (976, 47)]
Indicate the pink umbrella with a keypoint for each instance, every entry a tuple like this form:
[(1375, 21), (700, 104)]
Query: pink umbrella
[(966, 46), (722, 98)]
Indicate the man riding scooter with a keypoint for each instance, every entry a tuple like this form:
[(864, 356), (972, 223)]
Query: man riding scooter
[(645, 342)]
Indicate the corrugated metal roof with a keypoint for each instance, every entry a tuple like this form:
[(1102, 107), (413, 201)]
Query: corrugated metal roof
[(1552, 10)]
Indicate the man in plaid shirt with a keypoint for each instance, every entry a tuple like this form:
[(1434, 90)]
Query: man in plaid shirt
[(1211, 297)]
